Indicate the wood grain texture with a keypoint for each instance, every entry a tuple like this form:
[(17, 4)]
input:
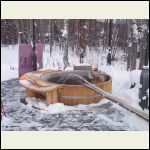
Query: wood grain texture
[(67, 94)]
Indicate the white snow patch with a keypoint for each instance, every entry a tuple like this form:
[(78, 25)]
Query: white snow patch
[(69, 68), (57, 107), (52, 109), (85, 27), (9, 62), (24, 82), (135, 77), (135, 122), (144, 98), (6, 121), (65, 33)]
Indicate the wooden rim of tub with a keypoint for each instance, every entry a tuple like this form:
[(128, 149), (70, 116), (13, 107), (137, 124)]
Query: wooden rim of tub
[(37, 81)]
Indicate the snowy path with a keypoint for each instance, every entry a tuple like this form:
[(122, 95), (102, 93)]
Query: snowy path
[(104, 116)]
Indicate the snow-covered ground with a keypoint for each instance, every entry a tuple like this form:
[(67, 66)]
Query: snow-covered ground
[(102, 116), (9, 62)]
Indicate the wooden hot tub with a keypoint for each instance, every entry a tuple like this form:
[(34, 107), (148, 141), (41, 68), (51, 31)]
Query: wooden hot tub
[(70, 92)]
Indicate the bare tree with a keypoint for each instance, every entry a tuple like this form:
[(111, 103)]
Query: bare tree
[(72, 34), (42, 31), (114, 41), (110, 33), (105, 35), (89, 34), (129, 57), (95, 34), (50, 24), (143, 45), (129, 48), (134, 42), (82, 41), (65, 36), (147, 51)]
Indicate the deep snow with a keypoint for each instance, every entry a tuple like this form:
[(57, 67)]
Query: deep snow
[(102, 116)]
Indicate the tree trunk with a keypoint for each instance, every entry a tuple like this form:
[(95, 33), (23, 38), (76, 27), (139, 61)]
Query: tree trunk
[(51, 35), (65, 58), (142, 56), (129, 58), (134, 42), (147, 52), (82, 39), (95, 35), (89, 34), (110, 33), (128, 46), (144, 50), (133, 55), (104, 35), (78, 44), (42, 32)]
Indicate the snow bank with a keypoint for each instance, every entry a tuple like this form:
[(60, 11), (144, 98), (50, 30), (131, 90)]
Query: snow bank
[(51, 109), (57, 107)]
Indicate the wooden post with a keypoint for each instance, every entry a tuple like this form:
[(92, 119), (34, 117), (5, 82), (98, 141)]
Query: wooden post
[(55, 96), (29, 93), (49, 98)]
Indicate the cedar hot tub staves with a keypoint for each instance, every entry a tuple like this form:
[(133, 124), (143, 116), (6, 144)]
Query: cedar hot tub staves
[(51, 85)]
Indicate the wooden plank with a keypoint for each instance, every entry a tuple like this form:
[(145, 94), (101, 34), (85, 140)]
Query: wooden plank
[(39, 82), (75, 93), (38, 88), (60, 93), (29, 93), (85, 92), (64, 93), (49, 98), (69, 92), (55, 96), (70, 101), (87, 68)]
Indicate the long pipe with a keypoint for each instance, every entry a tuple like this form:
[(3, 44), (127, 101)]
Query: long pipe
[(113, 98)]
